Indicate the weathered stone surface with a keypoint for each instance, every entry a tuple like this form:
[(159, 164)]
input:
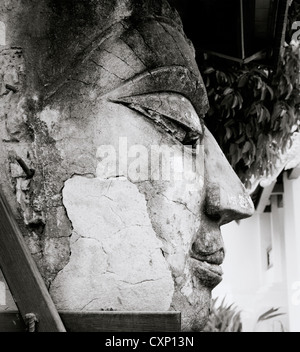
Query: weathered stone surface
[(2, 33), (106, 232), (116, 259), (36, 202), (221, 198)]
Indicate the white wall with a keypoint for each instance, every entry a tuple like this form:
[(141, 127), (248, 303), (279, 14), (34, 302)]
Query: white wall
[(248, 283), (242, 274)]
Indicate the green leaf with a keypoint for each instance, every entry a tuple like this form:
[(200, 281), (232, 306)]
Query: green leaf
[(253, 149), (289, 91), (228, 133), (209, 70), (247, 147), (207, 81), (240, 99), (261, 114), (227, 101), (253, 109), (243, 80), (227, 91), (269, 314), (217, 96), (228, 114), (235, 102), (259, 82), (210, 92), (241, 139), (271, 92), (267, 114), (263, 92), (248, 130)]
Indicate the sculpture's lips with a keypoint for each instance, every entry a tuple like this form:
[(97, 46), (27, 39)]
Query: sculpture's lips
[(209, 274)]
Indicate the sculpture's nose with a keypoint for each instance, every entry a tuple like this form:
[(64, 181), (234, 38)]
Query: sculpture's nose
[(226, 198)]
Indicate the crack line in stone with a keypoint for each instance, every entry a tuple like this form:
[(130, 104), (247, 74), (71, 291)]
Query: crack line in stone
[(112, 73), (141, 282), (94, 299), (113, 54), (178, 202)]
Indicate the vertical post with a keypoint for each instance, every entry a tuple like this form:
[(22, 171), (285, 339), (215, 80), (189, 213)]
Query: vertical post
[(242, 29), (280, 29), (277, 241), (292, 244), (2, 294)]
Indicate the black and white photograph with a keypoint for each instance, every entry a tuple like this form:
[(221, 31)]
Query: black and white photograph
[(150, 169)]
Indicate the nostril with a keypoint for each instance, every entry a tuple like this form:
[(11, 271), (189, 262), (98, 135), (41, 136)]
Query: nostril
[(212, 214)]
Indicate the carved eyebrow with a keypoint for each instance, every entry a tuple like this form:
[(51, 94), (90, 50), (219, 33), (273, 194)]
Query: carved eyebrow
[(171, 79), (171, 105)]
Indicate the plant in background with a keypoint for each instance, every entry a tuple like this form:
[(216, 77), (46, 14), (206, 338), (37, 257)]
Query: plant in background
[(254, 111), (223, 318), (270, 314)]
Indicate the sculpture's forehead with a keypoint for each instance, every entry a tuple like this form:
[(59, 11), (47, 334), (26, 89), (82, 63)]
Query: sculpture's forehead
[(158, 43), (137, 58), (159, 58)]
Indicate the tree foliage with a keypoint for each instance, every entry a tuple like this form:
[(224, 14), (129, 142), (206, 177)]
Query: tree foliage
[(254, 109), (223, 318)]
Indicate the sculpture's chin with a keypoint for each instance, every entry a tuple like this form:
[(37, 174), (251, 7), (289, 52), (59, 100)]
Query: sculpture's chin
[(198, 323), (194, 308)]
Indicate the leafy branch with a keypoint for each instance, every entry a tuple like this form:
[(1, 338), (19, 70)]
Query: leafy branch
[(254, 110), (269, 314)]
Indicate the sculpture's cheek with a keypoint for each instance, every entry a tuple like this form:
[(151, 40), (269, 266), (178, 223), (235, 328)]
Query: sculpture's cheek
[(131, 240), (175, 217), (116, 259)]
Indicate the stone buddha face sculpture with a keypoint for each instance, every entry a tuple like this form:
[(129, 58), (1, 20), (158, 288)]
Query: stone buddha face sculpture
[(129, 189)]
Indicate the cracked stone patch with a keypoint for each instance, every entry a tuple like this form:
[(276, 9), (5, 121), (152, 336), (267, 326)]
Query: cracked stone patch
[(116, 258)]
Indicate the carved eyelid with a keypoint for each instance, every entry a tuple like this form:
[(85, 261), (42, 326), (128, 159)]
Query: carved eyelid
[(174, 106)]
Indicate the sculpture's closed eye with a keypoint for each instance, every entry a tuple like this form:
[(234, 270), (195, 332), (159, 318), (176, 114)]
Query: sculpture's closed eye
[(171, 112)]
